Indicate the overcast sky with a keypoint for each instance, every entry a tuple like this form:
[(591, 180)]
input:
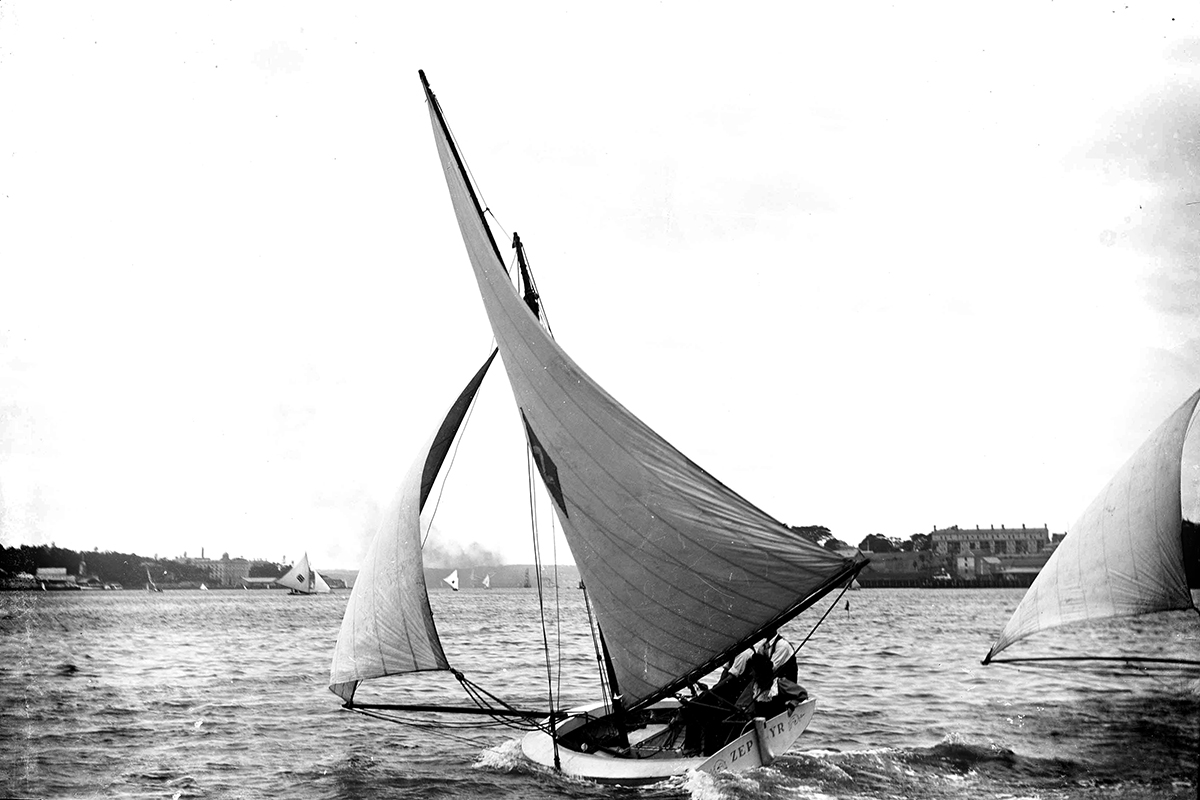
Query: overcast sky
[(876, 267)]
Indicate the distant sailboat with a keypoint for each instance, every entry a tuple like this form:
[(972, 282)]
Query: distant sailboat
[(302, 579), (682, 573), (203, 588), (1124, 556), (487, 581), (151, 586), (451, 580)]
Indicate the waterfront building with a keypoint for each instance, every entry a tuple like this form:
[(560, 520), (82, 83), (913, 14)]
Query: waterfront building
[(989, 541), (229, 571), (55, 578), (225, 571)]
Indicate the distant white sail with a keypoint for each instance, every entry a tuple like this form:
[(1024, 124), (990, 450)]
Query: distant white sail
[(452, 580), (319, 584), (487, 581), (302, 579), (1124, 555)]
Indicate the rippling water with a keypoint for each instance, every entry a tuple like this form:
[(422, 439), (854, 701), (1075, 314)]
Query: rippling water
[(222, 694)]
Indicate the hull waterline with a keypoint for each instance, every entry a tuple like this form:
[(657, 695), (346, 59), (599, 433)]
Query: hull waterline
[(763, 741)]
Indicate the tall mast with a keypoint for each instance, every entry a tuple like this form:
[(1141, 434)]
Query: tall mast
[(529, 290), (618, 705), (437, 110)]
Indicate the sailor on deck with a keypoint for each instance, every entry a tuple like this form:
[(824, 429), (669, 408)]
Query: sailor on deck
[(773, 646), (772, 666), (760, 680)]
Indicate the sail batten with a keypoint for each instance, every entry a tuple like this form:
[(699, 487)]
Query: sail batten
[(1124, 555), (680, 569)]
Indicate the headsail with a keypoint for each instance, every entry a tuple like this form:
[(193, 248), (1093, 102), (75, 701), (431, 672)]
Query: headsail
[(388, 626), (319, 584), (680, 569), (451, 580), (1124, 555)]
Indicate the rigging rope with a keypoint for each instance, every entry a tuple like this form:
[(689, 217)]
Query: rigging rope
[(557, 602), (605, 691), (537, 565), (473, 185), (832, 606)]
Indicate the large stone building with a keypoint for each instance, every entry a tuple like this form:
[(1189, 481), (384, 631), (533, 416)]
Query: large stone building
[(224, 572), (989, 541)]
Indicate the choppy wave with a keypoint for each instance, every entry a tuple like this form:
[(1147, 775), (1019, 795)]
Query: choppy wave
[(222, 694)]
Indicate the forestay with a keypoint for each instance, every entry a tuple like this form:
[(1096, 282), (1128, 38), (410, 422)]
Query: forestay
[(388, 626), (680, 569), (1124, 556)]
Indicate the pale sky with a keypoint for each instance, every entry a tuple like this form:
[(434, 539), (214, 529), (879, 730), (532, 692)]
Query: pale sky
[(876, 267)]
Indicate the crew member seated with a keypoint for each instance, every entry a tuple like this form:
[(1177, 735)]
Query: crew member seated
[(758, 682)]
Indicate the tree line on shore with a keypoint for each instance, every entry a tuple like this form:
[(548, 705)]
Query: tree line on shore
[(874, 543), (108, 567)]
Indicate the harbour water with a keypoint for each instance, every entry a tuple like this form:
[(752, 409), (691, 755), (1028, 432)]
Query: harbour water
[(222, 694)]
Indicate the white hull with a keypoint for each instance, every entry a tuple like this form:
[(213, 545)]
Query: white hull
[(758, 746)]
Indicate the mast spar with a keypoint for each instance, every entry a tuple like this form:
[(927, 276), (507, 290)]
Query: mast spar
[(437, 109), (529, 289)]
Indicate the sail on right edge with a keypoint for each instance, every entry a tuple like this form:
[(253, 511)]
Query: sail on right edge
[(1124, 555)]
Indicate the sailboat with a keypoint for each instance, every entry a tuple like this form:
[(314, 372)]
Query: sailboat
[(451, 580), (302, 579), (487, 581), (151, 586), (1123, 557), (680, 572)]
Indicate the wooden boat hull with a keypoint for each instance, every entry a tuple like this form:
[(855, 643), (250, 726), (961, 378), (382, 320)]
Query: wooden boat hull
[(758, 746)]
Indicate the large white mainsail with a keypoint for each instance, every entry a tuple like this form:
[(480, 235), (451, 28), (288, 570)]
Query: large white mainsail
[(681, 570), (388, 626), (302, 579), (1124, 555)]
